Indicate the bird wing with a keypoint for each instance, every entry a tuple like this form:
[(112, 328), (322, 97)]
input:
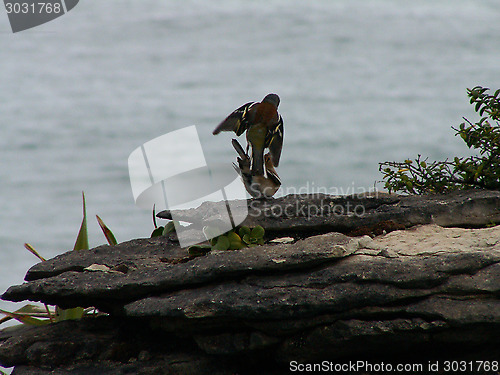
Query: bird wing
[(274, 178), (276, 142), (237, 121), (272, 175)]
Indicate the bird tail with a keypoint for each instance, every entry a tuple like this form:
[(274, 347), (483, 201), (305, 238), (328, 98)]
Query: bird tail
[(257, 162), (239, 149)]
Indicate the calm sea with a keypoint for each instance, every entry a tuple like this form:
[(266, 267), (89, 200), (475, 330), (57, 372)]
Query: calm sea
[(361, 82)]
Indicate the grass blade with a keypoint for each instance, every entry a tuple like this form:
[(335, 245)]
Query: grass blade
[(31, 249), (154, 216), (110, 237), (26, 315), (82, 240), (82, 243), (51, 318)]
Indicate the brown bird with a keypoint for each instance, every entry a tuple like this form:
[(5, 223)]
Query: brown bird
[(264, 127), (258, 186)]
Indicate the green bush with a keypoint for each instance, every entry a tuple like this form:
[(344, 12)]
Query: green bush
[(418, 176)]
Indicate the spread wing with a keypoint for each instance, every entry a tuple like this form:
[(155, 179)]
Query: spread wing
[(236, 121), (276, 142)]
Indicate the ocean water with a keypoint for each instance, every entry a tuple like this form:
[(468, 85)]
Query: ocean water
[(360, 82)]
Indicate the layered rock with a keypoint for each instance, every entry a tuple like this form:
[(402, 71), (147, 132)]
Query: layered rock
[(407, 294)]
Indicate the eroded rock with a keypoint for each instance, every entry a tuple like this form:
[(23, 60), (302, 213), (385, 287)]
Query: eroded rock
[(419, 293), (360, 214)]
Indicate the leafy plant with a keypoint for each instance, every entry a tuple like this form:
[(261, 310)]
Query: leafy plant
[(162, 231), (418, 176), (36, 315), (231, 240), (81, 243), (29, 314), (110, 237), (252, 237)]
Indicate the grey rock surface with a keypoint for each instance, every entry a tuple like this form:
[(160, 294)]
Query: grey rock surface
[(418, 293), (345, 214), (103, 346), (157, 265)]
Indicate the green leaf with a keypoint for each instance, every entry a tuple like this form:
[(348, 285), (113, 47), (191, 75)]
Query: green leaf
[(69, 314), (30, 248), (244, 230), (82, 240), (28, 320), (154, 216), (238, 246), (169, 228), (157, 232), (257, 232), (235, 242), (246, 239), (222, 243), (478, 172), (28, 314), (110, 237)]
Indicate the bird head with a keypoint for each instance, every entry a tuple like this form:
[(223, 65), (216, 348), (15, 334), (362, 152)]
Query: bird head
[(273, 99)]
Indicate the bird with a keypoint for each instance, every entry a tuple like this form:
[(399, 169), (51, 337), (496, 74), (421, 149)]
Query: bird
[(264, 127), (258, 186)]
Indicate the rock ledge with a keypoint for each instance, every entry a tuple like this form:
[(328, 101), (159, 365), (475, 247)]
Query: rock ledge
[(421, 293)]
